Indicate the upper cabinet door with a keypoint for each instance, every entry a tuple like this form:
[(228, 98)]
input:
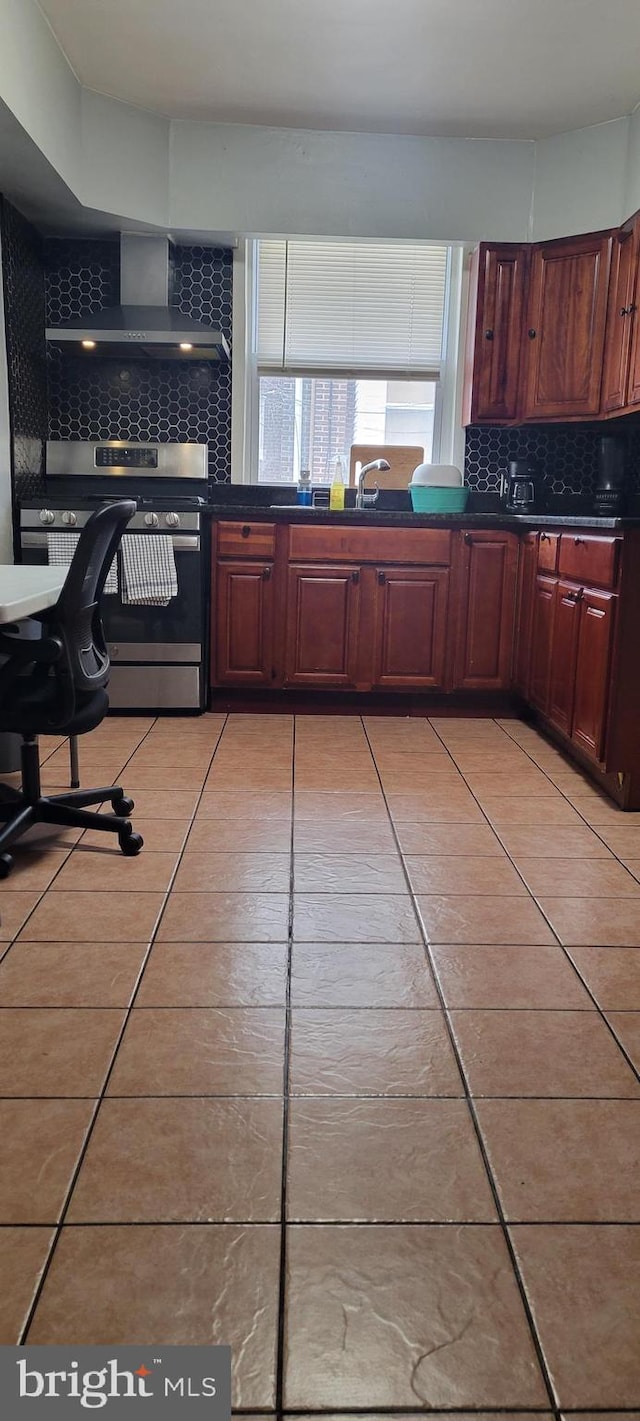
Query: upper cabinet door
[(621, 323), (495, 333), (565, 335)]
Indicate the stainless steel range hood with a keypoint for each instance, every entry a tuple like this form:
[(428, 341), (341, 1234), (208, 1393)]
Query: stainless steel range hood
[(144, 324)]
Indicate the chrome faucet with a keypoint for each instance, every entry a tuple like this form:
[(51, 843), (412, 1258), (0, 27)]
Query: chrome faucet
[(366, 500)]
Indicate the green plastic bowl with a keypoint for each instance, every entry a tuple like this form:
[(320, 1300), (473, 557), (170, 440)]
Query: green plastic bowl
[(429, 498)]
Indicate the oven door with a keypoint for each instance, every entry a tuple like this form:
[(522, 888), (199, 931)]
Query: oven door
[(157, 653)]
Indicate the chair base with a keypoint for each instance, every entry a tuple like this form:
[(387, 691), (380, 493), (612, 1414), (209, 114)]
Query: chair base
[(70, 810)]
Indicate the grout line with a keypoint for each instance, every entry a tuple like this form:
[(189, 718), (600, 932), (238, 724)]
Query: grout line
[(94, 1115), (282, 1279), (503, 1223)]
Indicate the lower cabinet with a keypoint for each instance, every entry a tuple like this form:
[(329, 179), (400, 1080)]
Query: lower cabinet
[(527, 569), (562, 676), (593, 671), (544, 606), (571, 660), (410, 627), (484, 637), (243, 624), (322, 626)]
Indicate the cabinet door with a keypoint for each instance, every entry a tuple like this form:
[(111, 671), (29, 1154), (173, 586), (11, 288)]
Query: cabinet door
[(633, 321), (593, 667), (410, 627), (566, 325), (563, 655), (323, 616), (243, 624), (620, 317), (541, 641), (495, 333), (524, 612), (484, 638)]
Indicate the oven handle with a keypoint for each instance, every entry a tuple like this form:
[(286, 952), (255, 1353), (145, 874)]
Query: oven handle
[(182, 542)]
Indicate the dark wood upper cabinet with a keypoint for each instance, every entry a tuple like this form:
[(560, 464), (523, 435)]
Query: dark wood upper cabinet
[(621, 322), (566, 320), (410, 627), (592, 671), (242, 625), (487, 592), (323, 623), (495, 333)]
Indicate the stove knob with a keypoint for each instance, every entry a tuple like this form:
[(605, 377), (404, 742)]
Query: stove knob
[(70, 519), (46, 516), (151, 520), (172, 520)]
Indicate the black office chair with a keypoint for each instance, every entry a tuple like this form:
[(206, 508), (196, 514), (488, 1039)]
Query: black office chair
[(55, 685)]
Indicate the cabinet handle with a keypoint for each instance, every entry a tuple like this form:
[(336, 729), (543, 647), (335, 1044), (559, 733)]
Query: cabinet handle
[(544, 538), (531, 333), (631, 308), (577, 542), (575, 596), (266, 574), (488, 335), (246, 530), (468, 538), (355, 576), (625, 311), (382, 577)]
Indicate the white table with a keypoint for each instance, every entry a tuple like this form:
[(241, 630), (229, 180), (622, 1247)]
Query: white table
[(25, 590)]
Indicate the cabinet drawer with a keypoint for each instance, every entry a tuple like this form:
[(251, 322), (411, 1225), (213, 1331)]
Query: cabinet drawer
[(593, 560), (404, 545), (246, 540), (548, 550)]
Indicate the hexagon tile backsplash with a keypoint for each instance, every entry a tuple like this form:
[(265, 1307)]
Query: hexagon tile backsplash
[(161, 400), (566, 455)]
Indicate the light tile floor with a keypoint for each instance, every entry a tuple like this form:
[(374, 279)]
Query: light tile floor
[(400, 955)]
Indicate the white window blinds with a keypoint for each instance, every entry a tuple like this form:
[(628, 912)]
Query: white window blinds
[(350, 308)]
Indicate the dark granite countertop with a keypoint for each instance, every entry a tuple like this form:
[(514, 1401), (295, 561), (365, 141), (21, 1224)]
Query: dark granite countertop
[(385, 517)]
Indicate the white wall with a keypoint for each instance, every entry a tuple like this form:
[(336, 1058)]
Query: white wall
[(125, 159), (581, 180), (291, 181), (131, 166), (39, 86), (6, 536)]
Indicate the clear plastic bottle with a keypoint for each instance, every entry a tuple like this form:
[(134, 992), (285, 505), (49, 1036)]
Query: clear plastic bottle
[(336, 495), (304, 496)]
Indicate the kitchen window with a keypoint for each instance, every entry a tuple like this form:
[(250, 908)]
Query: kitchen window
[(347, 342)]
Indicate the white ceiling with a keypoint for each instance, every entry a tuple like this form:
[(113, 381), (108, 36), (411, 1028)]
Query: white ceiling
[(466, 68)]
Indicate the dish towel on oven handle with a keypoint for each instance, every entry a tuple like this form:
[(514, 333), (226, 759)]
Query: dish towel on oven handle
[(149, 577), (62, 546)]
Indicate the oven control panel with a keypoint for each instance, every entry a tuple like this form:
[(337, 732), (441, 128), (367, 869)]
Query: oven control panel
[(125, 456)]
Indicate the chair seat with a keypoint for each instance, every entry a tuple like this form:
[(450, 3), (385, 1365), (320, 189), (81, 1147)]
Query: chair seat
[(34, 712)]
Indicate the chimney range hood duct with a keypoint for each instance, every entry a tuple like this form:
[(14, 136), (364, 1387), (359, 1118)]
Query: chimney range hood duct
[(144, 324)]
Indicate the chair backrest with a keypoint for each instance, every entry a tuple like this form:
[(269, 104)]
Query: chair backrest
[(75, 617), (403, 459)]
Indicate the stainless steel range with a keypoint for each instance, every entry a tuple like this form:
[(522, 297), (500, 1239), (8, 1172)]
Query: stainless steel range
[(157, 652)]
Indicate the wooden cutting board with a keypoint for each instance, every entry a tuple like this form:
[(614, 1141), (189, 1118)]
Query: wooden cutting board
[(403, 459)]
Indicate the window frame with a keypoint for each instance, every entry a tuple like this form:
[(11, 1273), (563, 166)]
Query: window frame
[(448, 435)]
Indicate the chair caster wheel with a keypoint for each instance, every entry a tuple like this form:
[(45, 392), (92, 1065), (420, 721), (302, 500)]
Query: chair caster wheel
[(6, 865), (122, 805), (130, 844)]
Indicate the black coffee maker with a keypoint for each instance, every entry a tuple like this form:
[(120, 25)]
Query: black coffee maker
[(518, 487), (610, 493)]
